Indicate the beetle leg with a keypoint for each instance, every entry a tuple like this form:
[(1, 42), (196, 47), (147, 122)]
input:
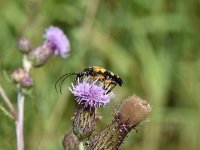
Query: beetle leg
[(111, 87)]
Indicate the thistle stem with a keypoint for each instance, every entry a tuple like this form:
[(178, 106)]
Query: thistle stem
[(20, 107), (81, 147), (8, 103), (20, 120)]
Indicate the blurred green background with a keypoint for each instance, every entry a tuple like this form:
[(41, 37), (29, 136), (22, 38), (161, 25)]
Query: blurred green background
[(152, 45)]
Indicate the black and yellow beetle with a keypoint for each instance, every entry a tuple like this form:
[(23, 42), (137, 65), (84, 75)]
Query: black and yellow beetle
[(95, 72)]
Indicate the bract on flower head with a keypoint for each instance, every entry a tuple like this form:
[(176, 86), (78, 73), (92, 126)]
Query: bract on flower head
[(58, 41), (90, 94)]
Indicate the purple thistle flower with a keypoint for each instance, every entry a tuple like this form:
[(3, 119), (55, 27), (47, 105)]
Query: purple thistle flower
[(57, 40), (89, 94)]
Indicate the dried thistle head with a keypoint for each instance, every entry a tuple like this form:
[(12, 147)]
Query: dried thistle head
[(133, 111)]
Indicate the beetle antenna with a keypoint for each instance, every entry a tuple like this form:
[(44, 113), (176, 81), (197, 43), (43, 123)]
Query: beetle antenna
[(63, 77)]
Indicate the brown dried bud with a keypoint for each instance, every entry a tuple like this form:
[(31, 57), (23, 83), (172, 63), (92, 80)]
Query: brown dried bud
[(133, 111)]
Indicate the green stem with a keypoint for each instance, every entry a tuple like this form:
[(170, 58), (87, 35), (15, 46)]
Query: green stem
[(81, 147), (8, 103)]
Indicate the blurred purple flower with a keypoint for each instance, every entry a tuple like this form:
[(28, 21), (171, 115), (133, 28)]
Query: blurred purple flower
[(22, 77), (24, 45), (57, 40), (27, 81), (89, 94)]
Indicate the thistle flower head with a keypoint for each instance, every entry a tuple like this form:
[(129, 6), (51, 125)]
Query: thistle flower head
[(57, 40), (90, 94), (133, 111)]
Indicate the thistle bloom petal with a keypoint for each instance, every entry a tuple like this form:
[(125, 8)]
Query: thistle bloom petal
[(89, 94), (57, 40)]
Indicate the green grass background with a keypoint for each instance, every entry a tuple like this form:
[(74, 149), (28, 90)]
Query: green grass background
[(152, 45)]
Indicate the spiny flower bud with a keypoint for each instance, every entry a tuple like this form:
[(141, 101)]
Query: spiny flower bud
[(40, 55), (24, 45), (70, 141), (133, 111), (22, 77), (84, 123)]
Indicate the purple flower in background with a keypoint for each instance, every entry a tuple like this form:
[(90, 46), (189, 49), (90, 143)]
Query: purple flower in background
[(57, 40), (89, 94), (22, 77), (27, 81)]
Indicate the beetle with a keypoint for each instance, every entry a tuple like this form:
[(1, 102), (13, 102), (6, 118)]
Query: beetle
[(95, 72)]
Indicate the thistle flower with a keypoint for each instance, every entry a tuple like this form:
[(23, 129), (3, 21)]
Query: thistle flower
[(56, 43), (132, 112), (57, 40), (89, 94)]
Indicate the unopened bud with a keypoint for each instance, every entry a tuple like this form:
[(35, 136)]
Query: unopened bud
[(27, 81), (40, 55), (22, 77), (24, 45)]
